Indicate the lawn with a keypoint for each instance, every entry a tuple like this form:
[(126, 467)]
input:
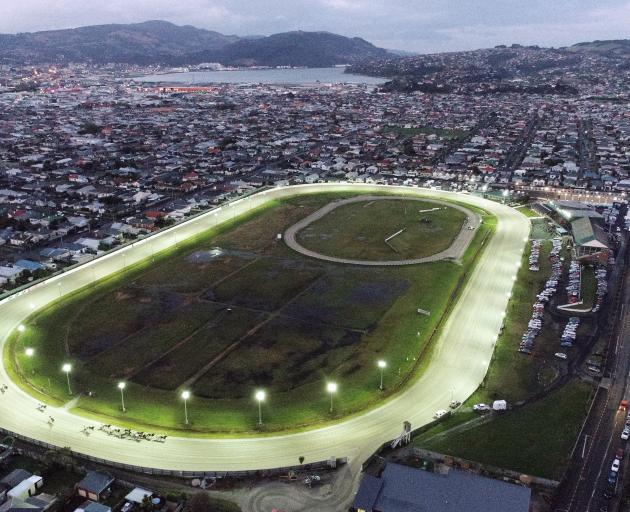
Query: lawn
[(529, 212), (415, 229), (230, 312), (589, 286), (527, 439)]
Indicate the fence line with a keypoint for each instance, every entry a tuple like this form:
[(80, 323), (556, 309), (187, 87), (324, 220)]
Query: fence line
[(331, 463)]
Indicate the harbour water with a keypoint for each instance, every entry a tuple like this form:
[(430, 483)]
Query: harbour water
[(264, 76)]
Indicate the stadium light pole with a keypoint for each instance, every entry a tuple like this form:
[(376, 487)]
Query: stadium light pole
[(260, 398), (67, 368), (381, 364), (186, 396), (122, 386), (30, 352), (331, 387)]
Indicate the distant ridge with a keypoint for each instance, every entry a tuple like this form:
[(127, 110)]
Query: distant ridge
[(161, 42), (610, 48)]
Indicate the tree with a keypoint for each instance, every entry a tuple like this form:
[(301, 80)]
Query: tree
[(89, 129), (200, 502)]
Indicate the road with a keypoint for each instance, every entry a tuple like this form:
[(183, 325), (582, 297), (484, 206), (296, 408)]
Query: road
[(460, 361), (455, 251), (598, 197), (585, 482)]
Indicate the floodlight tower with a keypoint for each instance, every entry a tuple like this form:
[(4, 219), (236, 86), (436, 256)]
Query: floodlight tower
[(260, 398), (331, 387)]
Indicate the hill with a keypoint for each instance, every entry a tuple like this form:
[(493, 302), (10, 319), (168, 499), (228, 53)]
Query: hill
[(161, 42), (311, 49), (140, 43), (610, 48)]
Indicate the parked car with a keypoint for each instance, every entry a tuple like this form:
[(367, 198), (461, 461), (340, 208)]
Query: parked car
[(615, 465), (439, 414), (455, 404), (625, 434), (560, 355), (481, 407), (612, 478), (619, 454)]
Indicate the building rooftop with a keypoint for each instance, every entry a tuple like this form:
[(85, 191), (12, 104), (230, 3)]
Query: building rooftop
[(405, 489), (95, 482), (585, 233)]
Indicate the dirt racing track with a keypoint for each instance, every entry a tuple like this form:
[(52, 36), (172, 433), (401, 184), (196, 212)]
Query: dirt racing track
[(454, 252), (459, 361)]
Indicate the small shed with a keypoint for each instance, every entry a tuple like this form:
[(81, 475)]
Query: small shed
[(95, 486), (138, 494), (27, 487)]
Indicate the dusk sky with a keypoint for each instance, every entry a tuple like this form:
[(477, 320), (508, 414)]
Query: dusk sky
[(416, 25)]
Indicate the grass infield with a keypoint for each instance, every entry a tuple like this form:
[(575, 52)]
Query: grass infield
[(230, 312)]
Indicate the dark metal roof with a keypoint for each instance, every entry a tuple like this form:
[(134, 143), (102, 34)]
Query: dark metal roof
[(405, 489), (95, 482)]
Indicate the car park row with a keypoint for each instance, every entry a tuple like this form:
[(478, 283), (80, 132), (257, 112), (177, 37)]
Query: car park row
[(534, 256), (535, 324), (574, 285), (570, 332), (601, 274)]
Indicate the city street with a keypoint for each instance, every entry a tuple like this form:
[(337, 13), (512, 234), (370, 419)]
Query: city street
[(586, 477)]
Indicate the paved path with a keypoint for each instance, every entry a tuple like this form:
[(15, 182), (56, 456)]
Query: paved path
[(459, 360), (455, 251)]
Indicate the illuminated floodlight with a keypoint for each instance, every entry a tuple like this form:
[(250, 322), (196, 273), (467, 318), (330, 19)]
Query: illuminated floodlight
[(67, 368), (185, 397), (29, 352), (260, 398), (21, 328), (331, 387), (382, 365), (122, 386)]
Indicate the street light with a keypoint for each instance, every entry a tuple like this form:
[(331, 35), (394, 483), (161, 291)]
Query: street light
[(67, 368), (260, 398), (331, 387), (21, 328), (381, 364), (122, 386), (186, 396), (30, 352)]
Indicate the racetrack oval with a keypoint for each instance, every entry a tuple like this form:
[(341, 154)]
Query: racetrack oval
[(459, 362), (455, 251)]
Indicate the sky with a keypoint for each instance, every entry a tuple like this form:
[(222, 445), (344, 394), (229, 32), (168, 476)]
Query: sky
[(422, 26)]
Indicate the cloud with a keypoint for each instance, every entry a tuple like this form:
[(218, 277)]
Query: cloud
[(419, 25), (345, 5)]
